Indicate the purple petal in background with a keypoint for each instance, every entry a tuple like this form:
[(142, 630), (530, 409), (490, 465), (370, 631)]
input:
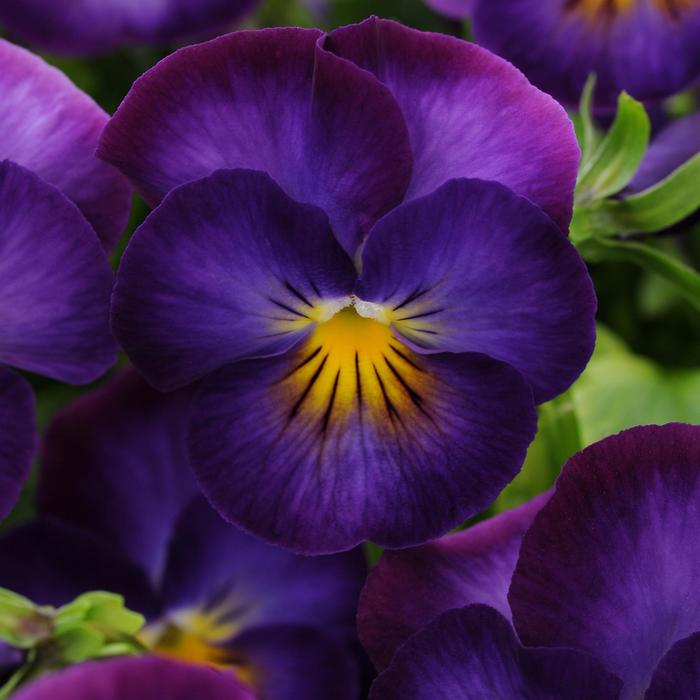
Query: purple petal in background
[(50, 127), (18, 436), (473, 654), (409, 588), (475, 268), (455, 9), (270, 100), (677, 677), (469, 114), (55, 283), (227, 267), (611, 563)]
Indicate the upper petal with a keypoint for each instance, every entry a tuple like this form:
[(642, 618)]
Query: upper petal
[(473, 654), (142, 678), (271, 100), (50, 127), (18, 436), (114, 464), (611, 563), (410, 587), (55, 283), (227, 267), (95, 26), (469, 114), (473, 267), (352, 436)]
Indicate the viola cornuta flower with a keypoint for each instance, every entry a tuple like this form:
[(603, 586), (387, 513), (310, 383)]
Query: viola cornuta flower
[(607, 568), (94, 26), (136, 679), (371, 324), (55, 280), (119, 511), (647, 47)]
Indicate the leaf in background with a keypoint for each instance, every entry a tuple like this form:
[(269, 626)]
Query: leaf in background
[(586, 131), (617, 157)]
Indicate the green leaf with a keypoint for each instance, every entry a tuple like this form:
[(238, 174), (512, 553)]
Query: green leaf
[(617, 157), (80, 643), (685, 280), (588, 135), (655, 209)]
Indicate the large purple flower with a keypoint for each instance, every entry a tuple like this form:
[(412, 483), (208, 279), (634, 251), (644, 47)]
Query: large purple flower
[(94, 26), (647, 47), (608, 568), (120, 511), (340, 406), (136, 679), (55, 280)]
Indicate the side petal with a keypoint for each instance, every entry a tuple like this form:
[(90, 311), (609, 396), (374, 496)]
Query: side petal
[(475, 268), (611, 563), (469, 114), (227, 267), (244, 583), (50, 127), (114, 464), (95, 26), (409, 588), (472, 654), (142, 678), (55, 283), (18, 437), (267, 100), (285, 663), (677, 677), (333, 444)]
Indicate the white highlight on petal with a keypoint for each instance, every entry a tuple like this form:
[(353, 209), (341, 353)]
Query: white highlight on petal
[(368, 309), (330, 308)]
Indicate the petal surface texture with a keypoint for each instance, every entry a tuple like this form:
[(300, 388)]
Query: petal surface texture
[(472, 653), (611, 563), (114, 464), (55, 283), (52, 128), (352, 436), (271, 100), (18, 436), (475, 268), (646, 47), (142, 678), (467, 111), (95, 26), (227, 267), (409, 588)]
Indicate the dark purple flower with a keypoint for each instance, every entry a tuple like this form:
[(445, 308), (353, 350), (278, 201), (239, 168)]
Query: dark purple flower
[(336, 406), (120, 511), (55, 280), (647, 47), (94, 26), (136, 679)]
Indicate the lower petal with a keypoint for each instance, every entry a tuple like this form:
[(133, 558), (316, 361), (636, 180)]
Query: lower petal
[(678, 674), (352, 436)]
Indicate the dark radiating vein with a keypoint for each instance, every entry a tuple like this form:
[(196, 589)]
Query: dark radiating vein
[(298, 294), (415, 396), (423, 315), (415, 294), (405, 358), (423, 330), (287, 308), (310, 384), (303, 363), (358, 381), (391, 409), (329, 410)]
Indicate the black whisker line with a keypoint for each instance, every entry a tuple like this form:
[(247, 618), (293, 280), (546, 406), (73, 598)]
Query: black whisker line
[(423, 315), (331, 400), (391, 409), (417, 293), (423, 330), (315, 288), (303, 363), (415, 397), (287, 308), (358, 381), (298, 294), (306, 391), (405, 358)]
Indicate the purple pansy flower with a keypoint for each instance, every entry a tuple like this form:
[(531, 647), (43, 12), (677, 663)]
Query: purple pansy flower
[(136, 679), (647, 47), (119, 510), (606, 568), (55, 278), (339, 406), (93, 26)]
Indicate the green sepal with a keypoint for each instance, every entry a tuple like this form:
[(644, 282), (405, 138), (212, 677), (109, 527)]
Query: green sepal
[(22, 624)]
